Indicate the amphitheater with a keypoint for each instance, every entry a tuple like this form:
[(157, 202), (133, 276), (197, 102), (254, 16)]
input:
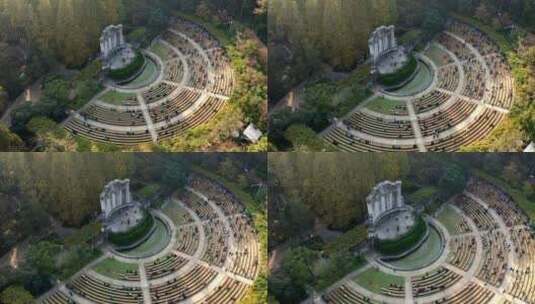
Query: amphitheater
[(205, 250), (484, 253), (187, 80), (468, 92)]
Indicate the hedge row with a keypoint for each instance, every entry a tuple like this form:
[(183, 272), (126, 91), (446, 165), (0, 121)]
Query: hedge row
[(129, 70), (133, 235), (395, 247), (399, 76)]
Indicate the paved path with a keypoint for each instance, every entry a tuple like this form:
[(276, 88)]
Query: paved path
[(148, 119)]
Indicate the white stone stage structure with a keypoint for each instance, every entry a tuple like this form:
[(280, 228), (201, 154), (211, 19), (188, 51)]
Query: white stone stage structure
[(384, 197), (112, 39), (386, 55), (115, 194), (381, 41), (388, 216)]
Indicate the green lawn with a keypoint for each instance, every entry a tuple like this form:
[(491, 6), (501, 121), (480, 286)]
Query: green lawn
[(148, 74), (116, 98), (177, 214), (161, 50), (112, 268), (420, 82), (149, 190), (423, 256), (154, 244), (449, 218), (436, 55), (384, 105), (423, 194), (373, 280)]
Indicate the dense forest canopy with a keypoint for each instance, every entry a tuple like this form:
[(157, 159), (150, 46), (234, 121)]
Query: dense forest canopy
[(340, 201), (303, 34), (332, 187), (37, 33), (67, 185)]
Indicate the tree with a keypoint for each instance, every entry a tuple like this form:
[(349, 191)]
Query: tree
[(16, 295), (453, 180), (228, 169), (512, 174), (42, 256), (176, 175), (297, 264)]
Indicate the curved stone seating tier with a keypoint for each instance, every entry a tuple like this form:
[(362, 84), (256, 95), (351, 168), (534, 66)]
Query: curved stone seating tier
[(393, 291), (472, 293), (201, 116), (222, 197), (502, 85), (430, 101), (434, 282), (481, 217), (187, 239), (57, 298), (475, 131), (475, 37), (474, 79), (224, 81), (216, 243), (347, 142), (182, 287), (78, 127), (164, 266), (199, 206), (114, 117), (462, 227), (462, 252), (246, 257), (158, 92), (228, 293), (104, 293), (346, 295), (198, 73), (196, 32), (449, 77), (380, 127), (447, 119), (523, 285), (182, 44), (458, 48), (494, 261), (499, 201), (174, 71), (174, 107)]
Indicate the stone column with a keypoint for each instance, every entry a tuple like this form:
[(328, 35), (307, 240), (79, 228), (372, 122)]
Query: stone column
[(393, 37), (400, 197)]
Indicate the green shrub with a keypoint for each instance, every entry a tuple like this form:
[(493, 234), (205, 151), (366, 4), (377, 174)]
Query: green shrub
[(134, 234), (129, 70), (401, 75), (394, 247)]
